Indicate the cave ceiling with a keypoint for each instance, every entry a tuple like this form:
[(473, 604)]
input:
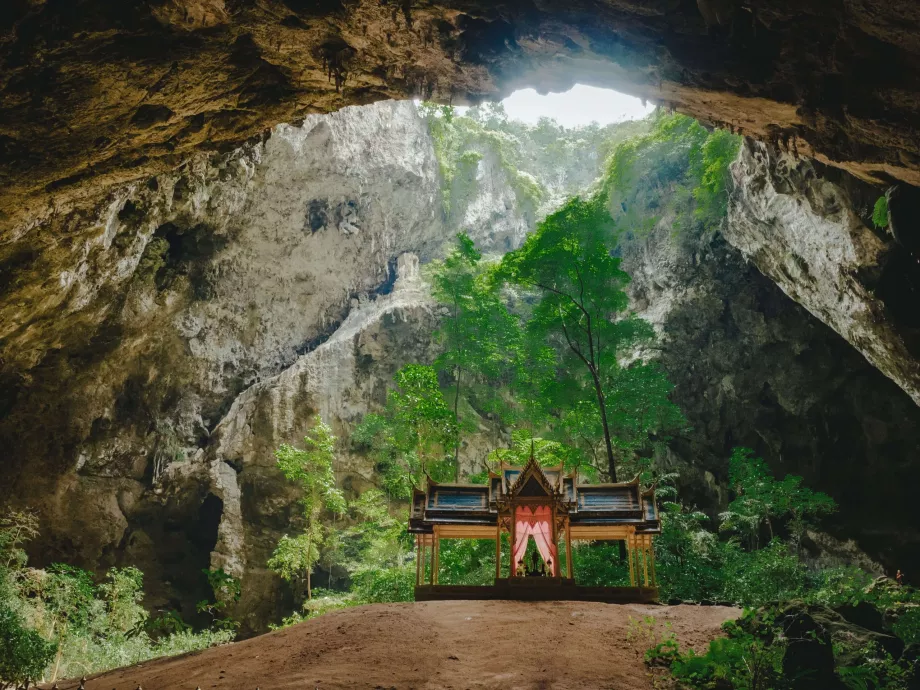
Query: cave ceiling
[(96, 93)]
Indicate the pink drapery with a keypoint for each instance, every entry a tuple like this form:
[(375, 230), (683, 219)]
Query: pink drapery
[(534, 521)]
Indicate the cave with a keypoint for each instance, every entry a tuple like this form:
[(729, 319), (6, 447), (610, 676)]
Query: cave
[(213, 212)]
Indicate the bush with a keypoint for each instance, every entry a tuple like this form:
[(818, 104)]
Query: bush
[(24, 654), (756, 578), (385, 585)]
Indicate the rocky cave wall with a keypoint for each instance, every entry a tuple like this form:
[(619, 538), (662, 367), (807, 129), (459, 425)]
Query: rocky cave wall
[(128, 331), (753, 368), (97, 93)]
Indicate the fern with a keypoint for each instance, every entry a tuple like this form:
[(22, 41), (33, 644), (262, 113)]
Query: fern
[(880, 212), (858, 677)]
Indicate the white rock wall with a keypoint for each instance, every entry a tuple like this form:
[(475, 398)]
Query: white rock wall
[(801, 231)]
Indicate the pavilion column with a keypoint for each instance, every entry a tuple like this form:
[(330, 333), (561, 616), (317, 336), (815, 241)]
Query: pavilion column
[(630, 556), (431, 574), (437, 555), (568, 549), (645, 550), (651, 550), (555, 537), (498, 550), (418, 560)]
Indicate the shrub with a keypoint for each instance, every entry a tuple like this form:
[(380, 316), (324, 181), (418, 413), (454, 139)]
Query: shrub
[(24, 654)]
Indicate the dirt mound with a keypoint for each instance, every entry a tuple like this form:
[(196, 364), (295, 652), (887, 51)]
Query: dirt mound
[(457, 644)]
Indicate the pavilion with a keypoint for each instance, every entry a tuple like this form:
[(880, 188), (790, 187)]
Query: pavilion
[(548, 505)]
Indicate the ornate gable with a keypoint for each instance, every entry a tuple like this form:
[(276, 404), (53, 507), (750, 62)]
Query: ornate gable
[(532, 482)]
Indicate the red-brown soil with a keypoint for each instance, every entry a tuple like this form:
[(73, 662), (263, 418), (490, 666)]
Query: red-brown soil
[(442, 644)]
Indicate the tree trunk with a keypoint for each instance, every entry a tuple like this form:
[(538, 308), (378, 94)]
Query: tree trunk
[(602, 404), (457, 422)]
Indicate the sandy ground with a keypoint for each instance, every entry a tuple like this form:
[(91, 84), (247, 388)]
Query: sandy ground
[(439, 644)]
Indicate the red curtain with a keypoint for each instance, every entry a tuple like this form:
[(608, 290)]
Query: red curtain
[(535, 521)]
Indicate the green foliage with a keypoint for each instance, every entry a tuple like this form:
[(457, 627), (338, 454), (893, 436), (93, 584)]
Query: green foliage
[(678, 170), (16, 528), (761, 499), (294, 556), (226, 590), (385, 585), (580, 310), (312, 470), (467, 561), (415, 434), (711, 172), (24, 654), (59, 622), (375, 549), (547, 452), (880, 212), (478, 331), (526, 154), (754, 578), (688, 557), (598, 564), (740, 661)]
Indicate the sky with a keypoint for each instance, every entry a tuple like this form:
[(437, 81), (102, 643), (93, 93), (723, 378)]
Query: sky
[(579, 106)]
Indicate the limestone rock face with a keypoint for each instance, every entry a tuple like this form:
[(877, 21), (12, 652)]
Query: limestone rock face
[(341, 380), (804, 232), (124, 346), (753, 368)]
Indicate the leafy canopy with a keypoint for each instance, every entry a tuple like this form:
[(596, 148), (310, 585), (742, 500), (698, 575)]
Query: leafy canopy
[(581, 312), (414, 435)]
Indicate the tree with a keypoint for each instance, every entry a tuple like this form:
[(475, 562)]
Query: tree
[(582, 305), (24, 654), (760, 499), (477, 330), (311, 469), (414, 435)]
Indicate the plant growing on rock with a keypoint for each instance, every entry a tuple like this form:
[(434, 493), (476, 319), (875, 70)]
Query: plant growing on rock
[(311, 469), (880, 212), (415, 434), (59, 622), (761, 499), (226, 590)]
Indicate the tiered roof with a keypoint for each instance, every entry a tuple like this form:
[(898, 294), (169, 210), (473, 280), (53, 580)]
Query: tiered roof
[(587, 505)]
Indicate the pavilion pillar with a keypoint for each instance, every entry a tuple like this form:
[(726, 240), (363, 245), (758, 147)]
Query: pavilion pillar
[(418, 560), (568, 549), (630, 556), (645, 550), (498, 549), (512, 569), (436, 549), (651, 550), (431, 574)]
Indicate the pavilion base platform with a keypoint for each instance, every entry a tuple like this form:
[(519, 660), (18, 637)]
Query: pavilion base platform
[(537, 589)]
